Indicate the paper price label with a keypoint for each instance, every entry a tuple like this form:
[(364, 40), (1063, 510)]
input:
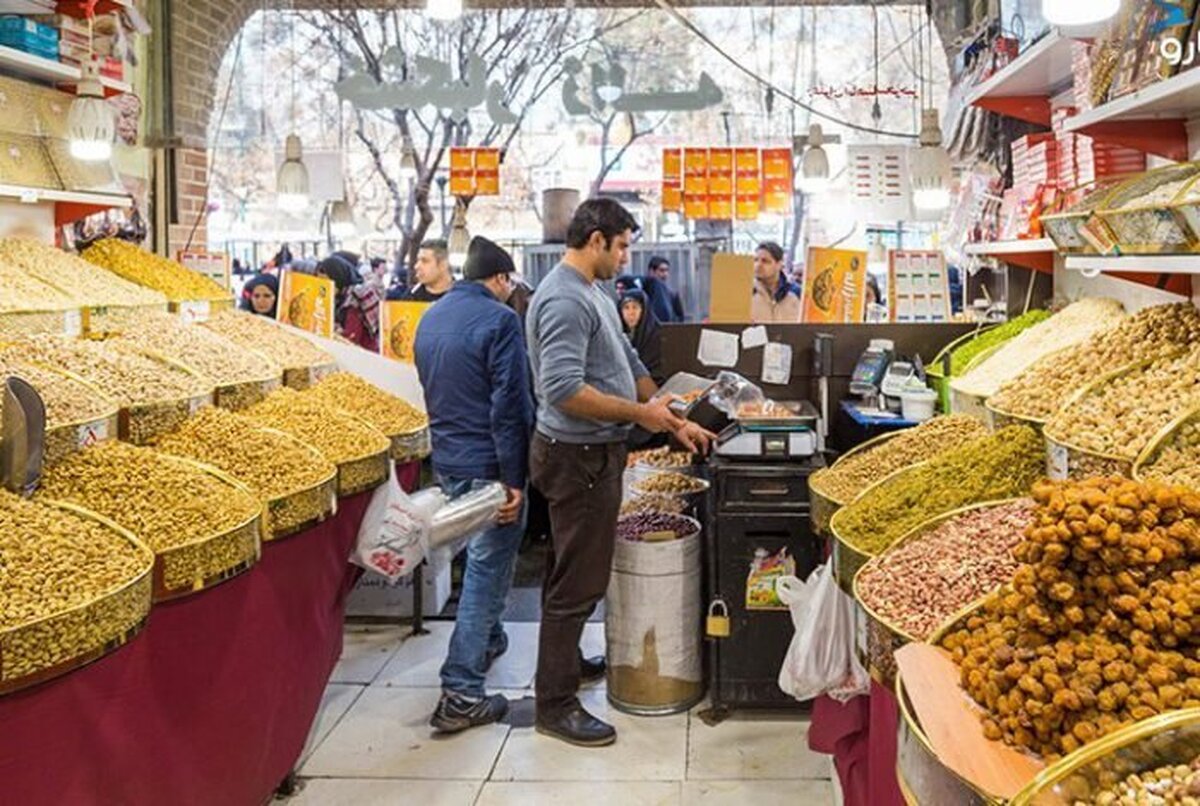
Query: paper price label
[(1057, 462), (195, 404), (195, 311), (73, 323), (91, 433), (29, 196)]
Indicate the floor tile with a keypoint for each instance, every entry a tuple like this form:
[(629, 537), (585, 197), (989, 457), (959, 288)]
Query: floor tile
[(419, 661), (335, 702), (621, 793), (647, 749), (752, 747), (365, 651), (516, 667), (758, 793), (386, 734), (361, 792)]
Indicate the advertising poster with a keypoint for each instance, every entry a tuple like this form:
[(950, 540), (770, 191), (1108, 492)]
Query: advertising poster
[(398, 328), (306, 302), (835, 282)]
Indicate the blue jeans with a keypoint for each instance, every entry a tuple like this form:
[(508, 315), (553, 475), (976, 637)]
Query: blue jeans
[(478, 631)]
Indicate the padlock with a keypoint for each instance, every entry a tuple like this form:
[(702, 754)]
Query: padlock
[(717, 623)]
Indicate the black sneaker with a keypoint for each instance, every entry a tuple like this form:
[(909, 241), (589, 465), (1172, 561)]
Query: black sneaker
[(455, 713), (592, 670), (494, 655)]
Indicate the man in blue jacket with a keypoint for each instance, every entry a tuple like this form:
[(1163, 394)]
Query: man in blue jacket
[(470, 354)]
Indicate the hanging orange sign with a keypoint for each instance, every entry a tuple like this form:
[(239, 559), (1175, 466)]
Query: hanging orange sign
[(727, 183), (475, 171), (306, 302)]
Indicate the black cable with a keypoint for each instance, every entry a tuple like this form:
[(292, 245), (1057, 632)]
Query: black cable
[(686, 23)]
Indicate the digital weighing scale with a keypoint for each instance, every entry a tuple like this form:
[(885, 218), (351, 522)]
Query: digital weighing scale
[(772, 438)]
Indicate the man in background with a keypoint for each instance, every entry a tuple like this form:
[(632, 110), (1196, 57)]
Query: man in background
[(433, 276), (776, 299), (660, 269), (470, 356)]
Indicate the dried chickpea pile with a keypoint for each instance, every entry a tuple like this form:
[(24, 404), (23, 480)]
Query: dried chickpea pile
[(286, 348), (1179, 461), (120, 374), (1122, 416), (220, 360), (152, 271), (844, 481), (51, 562), (168, 503), (1040, 391), (66, 401), (1100, 626), (388, 413), (992, 468), (1177, 785), (920, 584), (339, 437), (1073, 324), (271, 465), (85, 283)]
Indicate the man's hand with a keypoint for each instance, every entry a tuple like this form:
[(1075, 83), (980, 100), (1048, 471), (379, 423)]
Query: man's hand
[(657, 417), (694, 438), (512, 509)]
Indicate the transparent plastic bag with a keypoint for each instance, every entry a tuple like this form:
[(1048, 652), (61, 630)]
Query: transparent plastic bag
[(395, 529), (821, 657), (733, 393)]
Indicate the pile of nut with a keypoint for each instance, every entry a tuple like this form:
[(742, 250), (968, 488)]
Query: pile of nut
[(84, 283), (1045, 387), (1122, 416), (1073, 324), (340, 437), (1179, 460), (653, 503), (170, 503), (152, 271), (52, 562), (637, 526), (66, 400), (1100, 626), (918, 585), (1177, 785), (388, 413), (962, 356), (284, 347), (846, 479), (993, 468), (670, 483), (663, 458), (19, 292), (217, 358), (121, 374)]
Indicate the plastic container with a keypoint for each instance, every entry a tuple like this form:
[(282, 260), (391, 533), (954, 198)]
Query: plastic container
[(918, 405)]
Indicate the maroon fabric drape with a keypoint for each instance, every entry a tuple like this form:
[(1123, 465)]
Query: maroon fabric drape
[(861, 736), (210, 704)]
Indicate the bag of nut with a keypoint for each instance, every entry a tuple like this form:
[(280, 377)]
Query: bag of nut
[(821, 658)]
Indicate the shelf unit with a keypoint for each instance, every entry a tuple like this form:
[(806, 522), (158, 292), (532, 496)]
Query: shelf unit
[(1023, 88), (1153, 119), (69, 205), (1136, 264), (64, 75), (1037, 255)]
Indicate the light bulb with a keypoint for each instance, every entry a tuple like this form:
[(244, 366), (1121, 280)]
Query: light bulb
[(1078, 12), (929, 167), (1090, 272), (408, 159), (459, 242), (814, 168), (291, 184), (444, 9), (91, 127), (608, 92), (341, 219)]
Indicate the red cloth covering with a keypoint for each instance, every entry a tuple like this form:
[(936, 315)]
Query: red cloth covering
[(210, 704), (861, 736)]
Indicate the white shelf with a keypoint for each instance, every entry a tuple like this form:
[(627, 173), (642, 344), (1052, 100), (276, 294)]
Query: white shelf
[(115, 87), (1011, 247), (1176, 98), (1140, 264), (30, 66), (1043, 70), (39, 195)]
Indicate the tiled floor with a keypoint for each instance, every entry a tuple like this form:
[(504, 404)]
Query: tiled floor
[(372, 744)]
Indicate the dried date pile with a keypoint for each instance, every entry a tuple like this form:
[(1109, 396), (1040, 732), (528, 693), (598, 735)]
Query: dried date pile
[(636, 527), (919, 585), (1100, 626)]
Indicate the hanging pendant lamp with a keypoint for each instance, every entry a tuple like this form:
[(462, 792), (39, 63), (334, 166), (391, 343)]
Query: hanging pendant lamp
[(408, 159), (459, 241), (814, 168), (291, 184), (341, 219), (929, 166), (91, 127)]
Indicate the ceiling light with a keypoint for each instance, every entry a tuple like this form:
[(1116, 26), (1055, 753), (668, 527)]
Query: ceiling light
[(341, 219), (291, 184), (1078, 12), (929, 167), (814, 168), (91, 127), (460, 239), (446, 10)]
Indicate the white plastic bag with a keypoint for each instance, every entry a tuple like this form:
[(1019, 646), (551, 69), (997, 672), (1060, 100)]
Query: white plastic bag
[(394, 529), (821, 657)]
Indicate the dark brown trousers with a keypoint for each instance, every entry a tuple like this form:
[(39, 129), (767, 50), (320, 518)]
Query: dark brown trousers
[(582, 484)]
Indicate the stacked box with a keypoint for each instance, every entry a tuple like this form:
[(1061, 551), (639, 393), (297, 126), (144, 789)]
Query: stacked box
[(29, 36)]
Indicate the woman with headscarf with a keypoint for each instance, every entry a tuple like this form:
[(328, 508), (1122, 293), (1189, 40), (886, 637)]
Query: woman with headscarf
[(260, 295), (641, 327), (356, 304)]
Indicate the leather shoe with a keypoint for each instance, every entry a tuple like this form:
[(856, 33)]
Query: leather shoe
[(592, 670), (576, 726)]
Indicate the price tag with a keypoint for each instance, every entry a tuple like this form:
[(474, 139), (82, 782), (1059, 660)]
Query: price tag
[(659, 537), (73, 323), (1057, 462), (195, 311), (30, 196), (91, 433)]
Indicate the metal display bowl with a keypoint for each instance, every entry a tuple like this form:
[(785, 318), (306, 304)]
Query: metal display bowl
[(848, 560), (364, 473), (143, 422), (999, 419), (100, 320), (699, 486), (301, 378), (411, 446), (40, 650), (243, 395), (63, 439), (822, 508), (58, 322), (1162, 440)]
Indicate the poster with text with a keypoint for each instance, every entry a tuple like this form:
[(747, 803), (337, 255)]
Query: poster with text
[(835, 286), (306, 302), (398, 327)]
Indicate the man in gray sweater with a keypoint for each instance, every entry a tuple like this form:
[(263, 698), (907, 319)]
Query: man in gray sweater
[(591, 390)]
